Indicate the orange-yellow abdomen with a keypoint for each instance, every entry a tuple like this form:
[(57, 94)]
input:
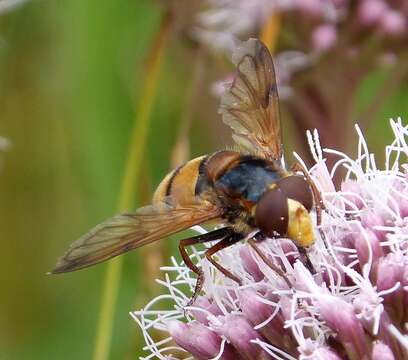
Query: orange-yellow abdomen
[(180, 184)]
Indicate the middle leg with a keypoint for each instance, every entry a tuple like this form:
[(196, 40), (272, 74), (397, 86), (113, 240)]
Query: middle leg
[(253, 243), (223, 244)]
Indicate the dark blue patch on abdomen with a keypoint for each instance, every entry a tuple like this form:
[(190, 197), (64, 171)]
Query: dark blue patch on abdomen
[(249, 179)]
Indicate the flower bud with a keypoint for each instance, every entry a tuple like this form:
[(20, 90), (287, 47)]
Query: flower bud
[(326, 354), (340, 317), (399, 203), (324, 37), (371, 219), (354, 194), (257, 312), (207, 305), (391, 270), (381, 352), (199, 340), (240, 333), (366, 243)]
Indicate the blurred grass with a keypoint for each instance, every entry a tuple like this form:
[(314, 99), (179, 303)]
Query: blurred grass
[(69, 74), (378, 133), (69, 79), (131, 182)]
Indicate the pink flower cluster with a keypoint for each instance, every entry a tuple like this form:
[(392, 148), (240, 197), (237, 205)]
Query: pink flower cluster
[(368, 31), (389, 17), (354, 305), (225, 21)]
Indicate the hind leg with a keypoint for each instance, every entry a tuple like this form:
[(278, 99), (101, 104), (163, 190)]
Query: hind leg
[(200, 239)]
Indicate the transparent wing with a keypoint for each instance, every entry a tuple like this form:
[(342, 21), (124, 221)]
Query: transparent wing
[(128, 231), (251, 106)]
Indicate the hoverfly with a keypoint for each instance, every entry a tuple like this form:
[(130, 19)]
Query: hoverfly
[(245, 189)]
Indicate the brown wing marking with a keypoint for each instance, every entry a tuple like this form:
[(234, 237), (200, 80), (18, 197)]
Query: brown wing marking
[(251, 105), (128, 231)]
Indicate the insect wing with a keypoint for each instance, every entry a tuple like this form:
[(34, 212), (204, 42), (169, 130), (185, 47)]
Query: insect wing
[(251, 105), (128, 231)]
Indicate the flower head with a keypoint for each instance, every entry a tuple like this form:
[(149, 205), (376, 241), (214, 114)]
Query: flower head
[(353, 305)]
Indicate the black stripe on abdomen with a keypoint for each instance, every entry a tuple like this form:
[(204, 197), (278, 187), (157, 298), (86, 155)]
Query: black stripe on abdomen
[(202, 181), (171, 180)]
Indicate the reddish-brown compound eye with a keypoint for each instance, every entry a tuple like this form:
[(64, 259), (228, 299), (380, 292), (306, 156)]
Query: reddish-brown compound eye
[(297, 188), (271, 213)]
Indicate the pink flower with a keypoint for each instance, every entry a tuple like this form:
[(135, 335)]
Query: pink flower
[(222, 24), (393, 22), (354, 305), (324, 37), (370, 12)]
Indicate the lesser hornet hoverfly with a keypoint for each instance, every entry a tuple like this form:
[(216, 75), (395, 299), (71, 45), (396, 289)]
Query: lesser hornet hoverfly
[(245, 189)]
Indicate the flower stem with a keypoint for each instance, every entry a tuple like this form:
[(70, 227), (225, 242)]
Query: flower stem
[(181, 149), (270, 32), (127, 194)]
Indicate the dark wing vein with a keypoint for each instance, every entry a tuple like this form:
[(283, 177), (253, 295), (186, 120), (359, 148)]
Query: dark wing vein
[(128, 231), (251, 106)]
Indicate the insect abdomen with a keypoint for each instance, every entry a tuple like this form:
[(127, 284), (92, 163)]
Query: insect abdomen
[(181, 184)]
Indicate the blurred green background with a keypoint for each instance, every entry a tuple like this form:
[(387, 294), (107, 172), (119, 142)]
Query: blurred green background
[(71, 75)]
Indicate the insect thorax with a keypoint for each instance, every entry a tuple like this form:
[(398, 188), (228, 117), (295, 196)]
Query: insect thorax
[(241, 187), (248, 180)]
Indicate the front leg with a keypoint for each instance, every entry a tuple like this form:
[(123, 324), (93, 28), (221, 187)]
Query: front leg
[(306, 260)]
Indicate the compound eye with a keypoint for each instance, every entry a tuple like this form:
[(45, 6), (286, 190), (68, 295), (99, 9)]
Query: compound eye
[(297, 188), (271, 213)]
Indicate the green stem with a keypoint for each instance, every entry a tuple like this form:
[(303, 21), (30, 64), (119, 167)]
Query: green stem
[(127, 194), (181, 149), (391, 84)]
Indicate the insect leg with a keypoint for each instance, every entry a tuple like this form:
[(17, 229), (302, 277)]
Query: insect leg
[(199, 239), (305, 259), (226, 242), (267, 261), (297, 166)]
